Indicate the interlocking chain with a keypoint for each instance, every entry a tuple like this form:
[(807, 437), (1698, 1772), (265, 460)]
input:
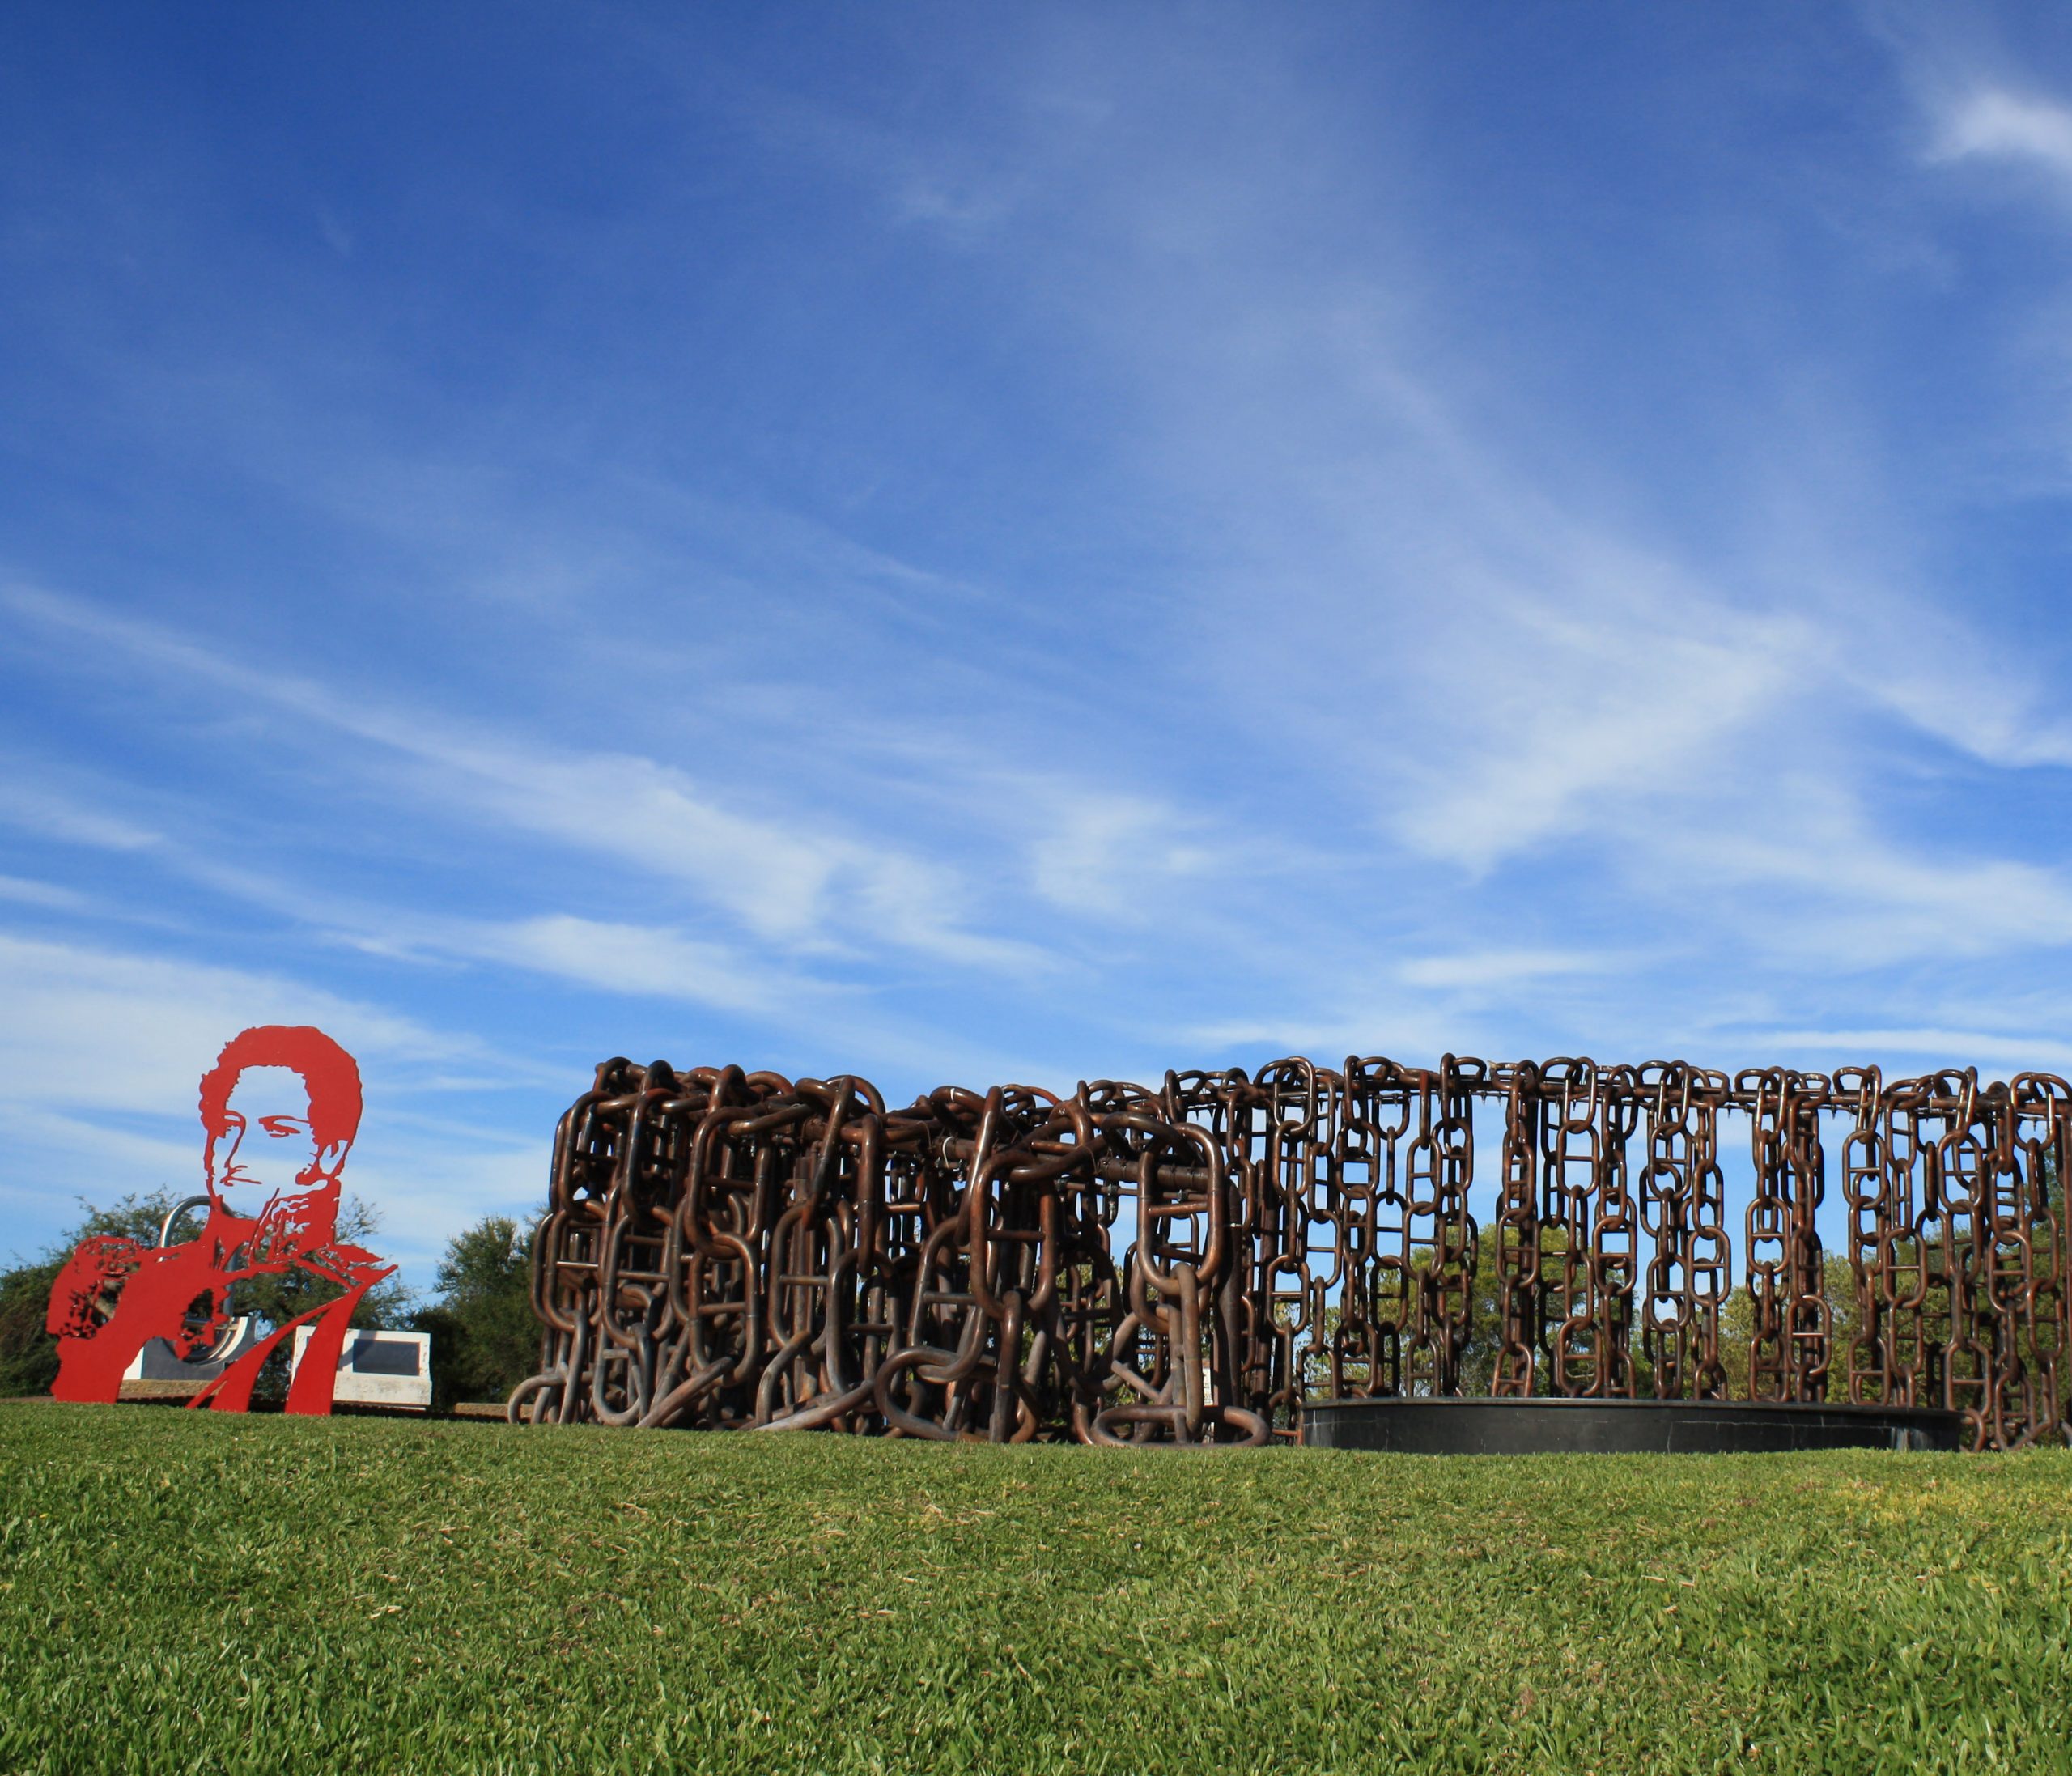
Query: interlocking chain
[(1189, 1264)]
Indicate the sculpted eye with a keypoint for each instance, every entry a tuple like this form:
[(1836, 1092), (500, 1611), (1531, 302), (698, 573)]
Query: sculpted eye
[(279, 1126)]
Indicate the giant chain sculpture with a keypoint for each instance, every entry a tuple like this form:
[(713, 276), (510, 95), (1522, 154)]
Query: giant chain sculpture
[(1189, 1263)]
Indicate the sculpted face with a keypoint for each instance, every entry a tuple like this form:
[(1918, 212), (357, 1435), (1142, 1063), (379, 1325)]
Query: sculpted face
[(264, 1149)]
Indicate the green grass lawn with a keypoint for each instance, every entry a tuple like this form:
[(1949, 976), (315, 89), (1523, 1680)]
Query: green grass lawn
[(185, 1591)]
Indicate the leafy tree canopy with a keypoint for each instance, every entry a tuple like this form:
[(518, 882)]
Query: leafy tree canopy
[(484, 1338)]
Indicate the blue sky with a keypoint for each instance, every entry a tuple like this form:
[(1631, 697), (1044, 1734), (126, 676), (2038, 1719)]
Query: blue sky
[(966, 544)]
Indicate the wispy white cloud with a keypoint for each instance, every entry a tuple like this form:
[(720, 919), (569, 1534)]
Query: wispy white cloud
[(2039, 1052), (1808, 878), (616, 957), (1570, 712), (41, 811), (63, 1157), (1118, 856), (40, 893), (1381, 1024), (1992, 123), (1477, 969), (654, 960), (88, 1025), (1472, 621), (798, 880)]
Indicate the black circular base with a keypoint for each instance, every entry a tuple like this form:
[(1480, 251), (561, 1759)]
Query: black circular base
[(1546, 1427)]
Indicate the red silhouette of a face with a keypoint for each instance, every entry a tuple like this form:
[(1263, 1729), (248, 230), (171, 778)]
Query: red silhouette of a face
[(281, 1107)]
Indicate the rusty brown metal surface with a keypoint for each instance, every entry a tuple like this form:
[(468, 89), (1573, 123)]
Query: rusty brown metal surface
[(734, 1250)]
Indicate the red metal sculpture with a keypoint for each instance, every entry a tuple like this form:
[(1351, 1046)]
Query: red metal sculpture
[(280, 1108)]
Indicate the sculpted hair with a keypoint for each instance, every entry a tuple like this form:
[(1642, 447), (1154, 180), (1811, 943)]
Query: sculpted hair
[(330, 1074)]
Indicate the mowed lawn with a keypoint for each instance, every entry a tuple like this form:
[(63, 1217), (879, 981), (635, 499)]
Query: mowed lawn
[(182, 1591)]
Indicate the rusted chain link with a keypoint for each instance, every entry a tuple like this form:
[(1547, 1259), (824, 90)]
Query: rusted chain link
[(1191, 1263)]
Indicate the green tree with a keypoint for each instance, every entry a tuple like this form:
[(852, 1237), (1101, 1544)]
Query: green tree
[(28, 1354), (484, 1338)]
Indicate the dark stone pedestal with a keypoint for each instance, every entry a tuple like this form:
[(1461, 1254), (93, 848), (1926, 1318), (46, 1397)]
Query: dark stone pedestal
[(1546, 1427)]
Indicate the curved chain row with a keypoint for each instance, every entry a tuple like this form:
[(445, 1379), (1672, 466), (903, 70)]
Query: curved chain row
[(727, 1249)]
